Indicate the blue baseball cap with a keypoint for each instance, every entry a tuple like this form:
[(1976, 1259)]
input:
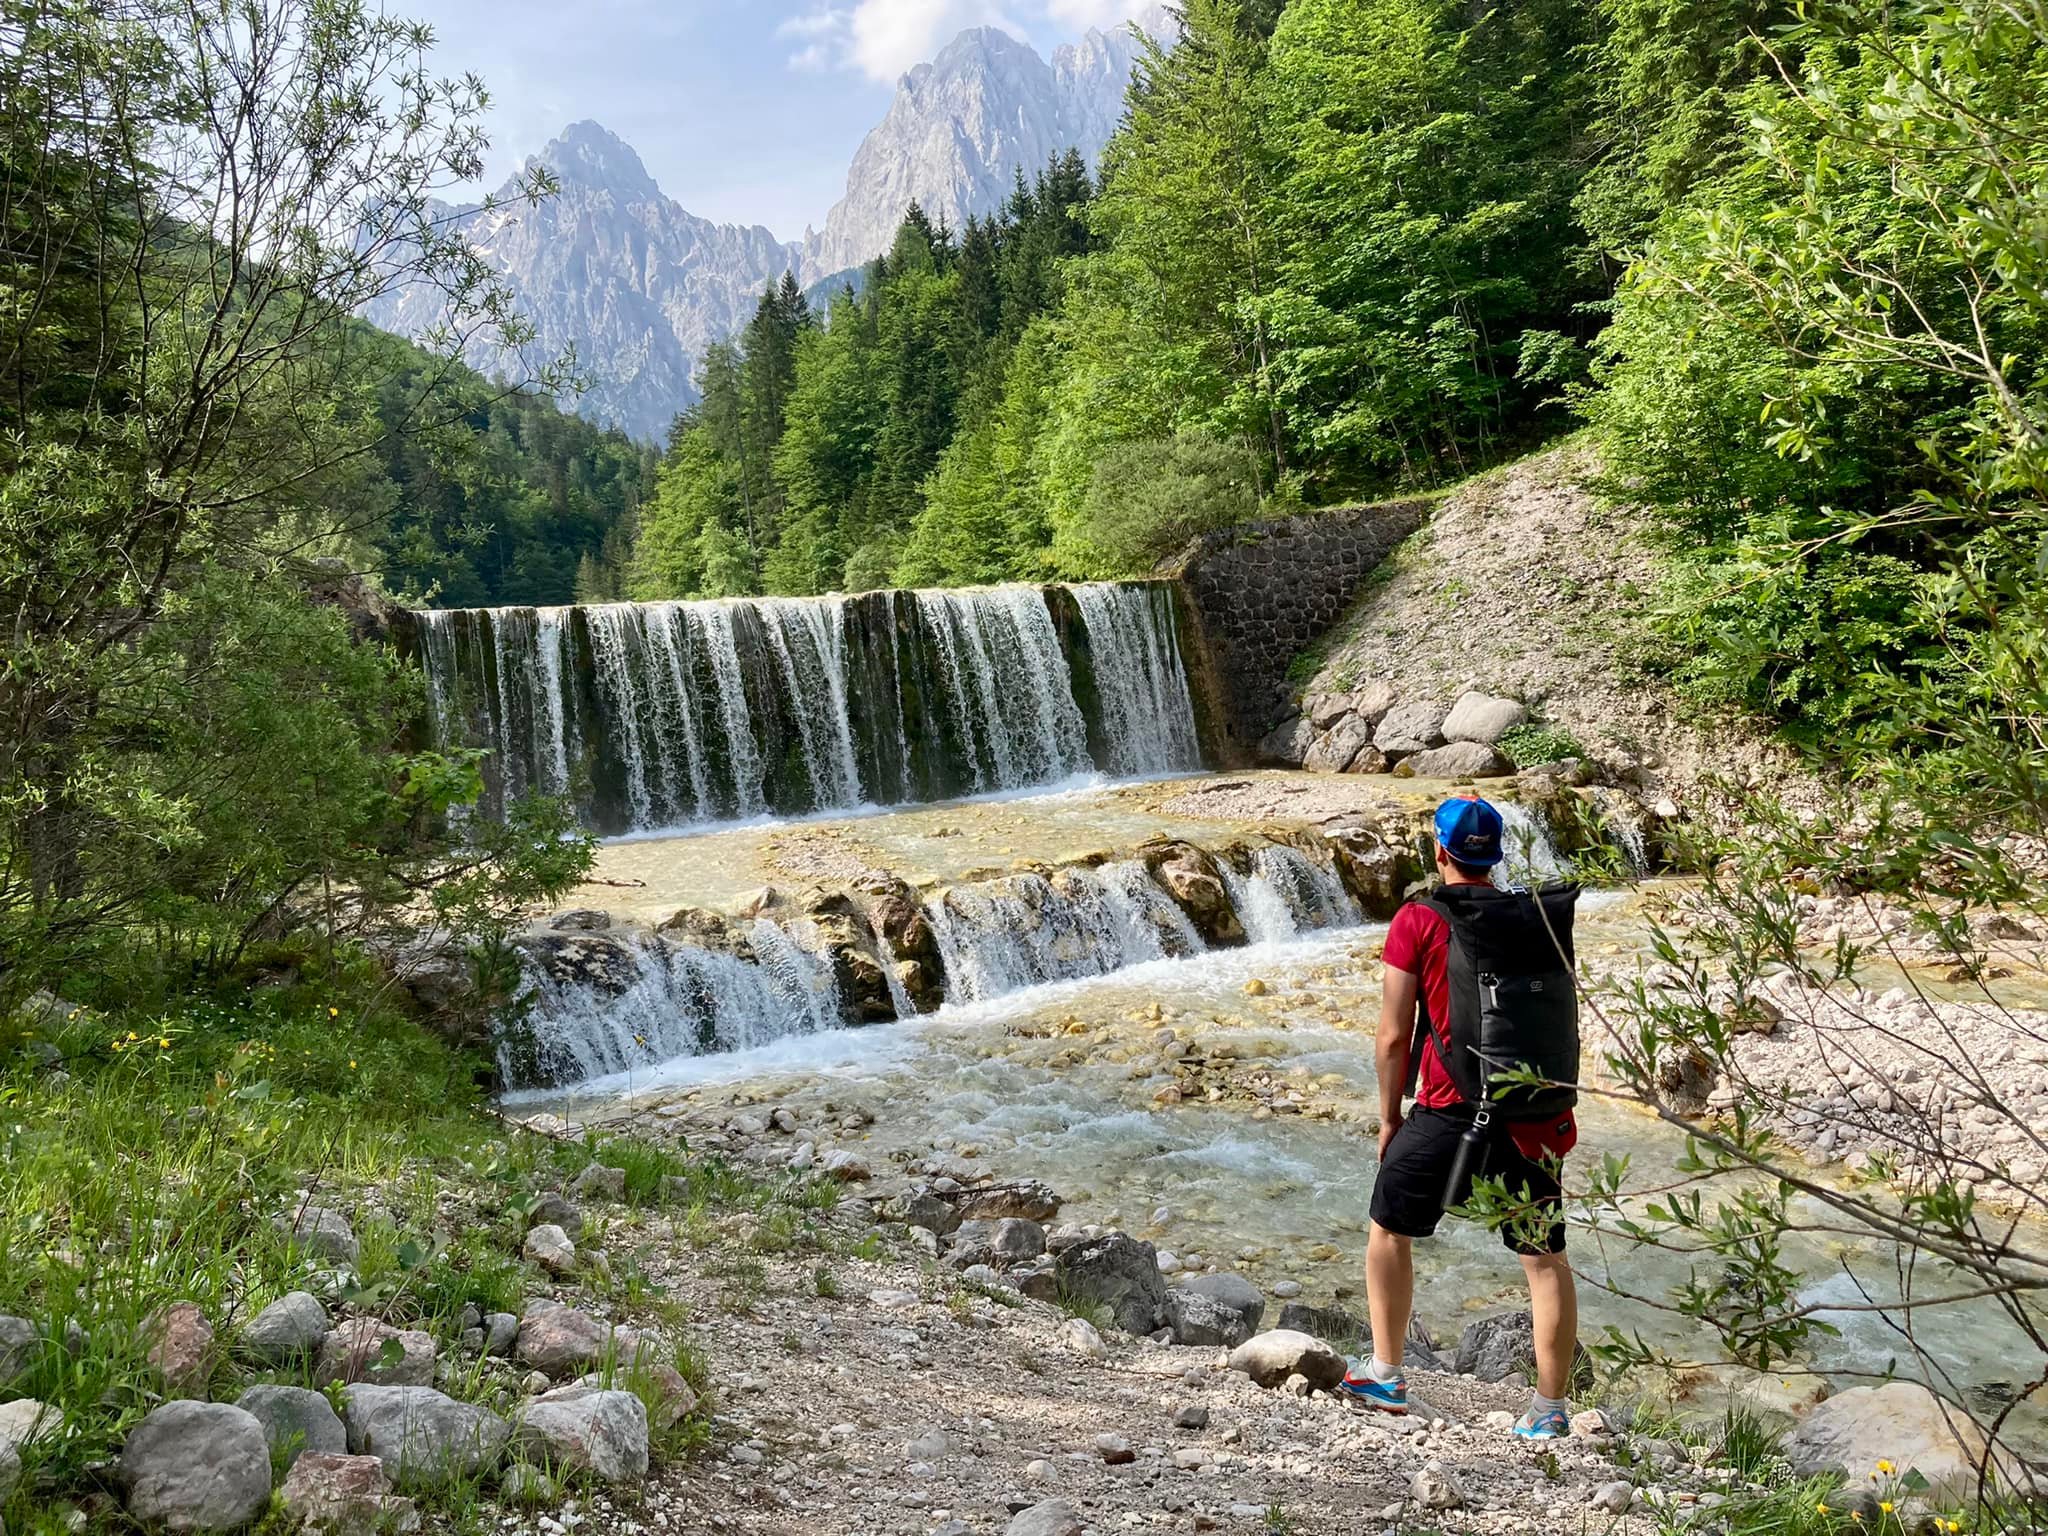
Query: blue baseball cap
[(1471, 831)]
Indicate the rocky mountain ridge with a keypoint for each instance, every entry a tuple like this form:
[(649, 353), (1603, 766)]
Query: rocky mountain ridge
[(638, 287)]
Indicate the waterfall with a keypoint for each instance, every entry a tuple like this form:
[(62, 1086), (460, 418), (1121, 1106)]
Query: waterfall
[(1146, 711), (665, 714), (1532, 858), (1286, 894), (632, 1001)]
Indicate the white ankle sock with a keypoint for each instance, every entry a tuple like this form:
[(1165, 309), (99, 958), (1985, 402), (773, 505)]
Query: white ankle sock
[(1382, 1372), (1538, 1403)]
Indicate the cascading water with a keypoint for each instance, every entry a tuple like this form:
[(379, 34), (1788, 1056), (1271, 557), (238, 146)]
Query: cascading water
[(1287, 894), (664, 714)]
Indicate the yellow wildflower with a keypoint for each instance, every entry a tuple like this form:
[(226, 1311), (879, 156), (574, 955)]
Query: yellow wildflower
[(334, 1013), (1885, 1467), (163, 1044), (1885, 1505), (351, 1066), (1822, 1506)]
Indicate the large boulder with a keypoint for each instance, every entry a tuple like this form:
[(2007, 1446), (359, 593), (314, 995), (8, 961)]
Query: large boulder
[(897, 916), (425, 1438), (1271, 1357), (1119, 1273), (196, 1467), (1376, 871), (339, 1495), (1411, 727), (1287, 744), (1494, 1348), (1903, 1423), (1459, 760), (290, 1329), (365, 1349), (1339, 747), (1189, 875), (1197, 1319), (1234, 1292), (294, 1420), (589, 1430), (1482, 718)]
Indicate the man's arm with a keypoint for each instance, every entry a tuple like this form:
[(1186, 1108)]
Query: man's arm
[(1390, 1050)]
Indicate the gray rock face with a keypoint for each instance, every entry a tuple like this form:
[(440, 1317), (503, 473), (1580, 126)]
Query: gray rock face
[(196, 1467), (1494, 1348), (1234, 1292), (295, 1420), (338, 1495), (1460, 760), (1478, 717), (1120, 1273), (289, 1329), (1414, 726), (1271, 1357), (425, 1438), (1198, 1319), (961, 125), (640, 286), (587, 1429), (1901, 1422), (1054, 1517), (364, 1349)]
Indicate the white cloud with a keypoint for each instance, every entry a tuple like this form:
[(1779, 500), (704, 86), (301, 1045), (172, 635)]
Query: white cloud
[(883, 38), (1083, 14)]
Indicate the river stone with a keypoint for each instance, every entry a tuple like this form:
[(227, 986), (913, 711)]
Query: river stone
[(501, 1333), (1078, 1336), (1190, 876), (341, 1495), (1054, 1517), (359, 1350), (426, 1439), (294, 1420), (1016, 1240), (598, 1182), (1234, 1292), (1901, 1422), (1118, 1272), (180, 1345), (1411, 727), (1032, 1199), (25, 1419), (675, 1398), (288, 1330), (550, 1248), (21, 1345), (1433, 1487), (1459, 760), (323, 1233), (1333, 1325), (563, 1341), (552, 1210), (1197, 1319), (1480, 718), (581, 920), (922, 1208), (1494, 1348), (1335, 750), (587, 1430), (1271, 1357), (196, 1467), (1287, 744)]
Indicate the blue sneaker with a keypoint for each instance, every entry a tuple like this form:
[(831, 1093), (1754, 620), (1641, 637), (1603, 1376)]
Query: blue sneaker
[(1552, 1425), (1381, 1396)]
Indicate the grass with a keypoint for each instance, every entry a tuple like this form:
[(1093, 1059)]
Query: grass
[(149, 1155)]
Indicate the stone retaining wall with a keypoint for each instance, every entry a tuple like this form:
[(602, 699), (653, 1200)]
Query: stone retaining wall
[(1262, 593)]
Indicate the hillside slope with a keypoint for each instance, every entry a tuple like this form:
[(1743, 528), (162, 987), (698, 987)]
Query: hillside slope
[(1525, 583)]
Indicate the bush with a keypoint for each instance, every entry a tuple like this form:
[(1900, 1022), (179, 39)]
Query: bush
[(1147, 500), (1528, 745)]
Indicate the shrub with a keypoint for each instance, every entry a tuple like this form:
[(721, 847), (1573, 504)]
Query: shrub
[(1146, 500)]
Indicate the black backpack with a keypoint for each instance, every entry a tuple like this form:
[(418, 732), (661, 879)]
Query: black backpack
[(1513, 999)]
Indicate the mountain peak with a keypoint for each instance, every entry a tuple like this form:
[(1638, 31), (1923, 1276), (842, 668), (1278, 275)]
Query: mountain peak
[(590, 154)]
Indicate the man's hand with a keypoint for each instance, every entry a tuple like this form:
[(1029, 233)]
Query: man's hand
[(1390, 1126)]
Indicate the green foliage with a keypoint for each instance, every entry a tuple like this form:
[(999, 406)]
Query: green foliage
[(1147, 500), (1528, 745)]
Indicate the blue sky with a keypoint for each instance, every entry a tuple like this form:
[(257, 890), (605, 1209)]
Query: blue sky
[(746, 111)]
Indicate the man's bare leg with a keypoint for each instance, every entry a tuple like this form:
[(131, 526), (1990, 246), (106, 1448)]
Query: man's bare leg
[(1554, 1310), (1389, 1291)]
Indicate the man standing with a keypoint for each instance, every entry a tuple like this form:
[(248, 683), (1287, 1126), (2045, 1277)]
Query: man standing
[(1430, 962)]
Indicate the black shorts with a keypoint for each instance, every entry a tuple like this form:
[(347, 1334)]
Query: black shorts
[(1408, 1195)]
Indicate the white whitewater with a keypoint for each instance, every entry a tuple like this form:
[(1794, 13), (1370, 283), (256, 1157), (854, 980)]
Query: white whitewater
[(668, 627), (551, 635), (742, 749), (809, 642), (609, 624)]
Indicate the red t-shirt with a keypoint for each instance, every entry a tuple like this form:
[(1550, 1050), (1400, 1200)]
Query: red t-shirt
[(1419, 942)]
